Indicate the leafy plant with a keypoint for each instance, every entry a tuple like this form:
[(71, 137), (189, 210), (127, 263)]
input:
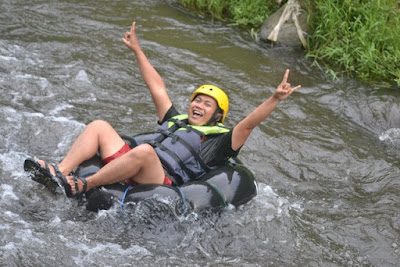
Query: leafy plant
[(361, 37), (246, 13)]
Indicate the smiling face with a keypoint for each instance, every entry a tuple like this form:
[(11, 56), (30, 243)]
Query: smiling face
[(201, 109)]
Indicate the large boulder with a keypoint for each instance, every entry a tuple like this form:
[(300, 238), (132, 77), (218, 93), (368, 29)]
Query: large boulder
[(284, 31)]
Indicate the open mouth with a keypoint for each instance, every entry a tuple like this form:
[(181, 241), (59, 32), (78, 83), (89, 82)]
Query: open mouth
[(197, 114)]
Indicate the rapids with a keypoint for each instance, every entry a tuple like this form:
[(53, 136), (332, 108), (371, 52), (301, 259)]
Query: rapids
[(326, 162)]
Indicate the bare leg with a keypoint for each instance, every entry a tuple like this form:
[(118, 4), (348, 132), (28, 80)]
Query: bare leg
[(140, 164), (98, 135)]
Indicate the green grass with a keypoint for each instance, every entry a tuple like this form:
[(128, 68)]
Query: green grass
[(356, 37), (359, 37), (245, 13)]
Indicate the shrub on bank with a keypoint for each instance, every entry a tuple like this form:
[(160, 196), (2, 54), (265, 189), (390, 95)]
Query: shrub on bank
[(247, 13), (361, 37), (357, 36)]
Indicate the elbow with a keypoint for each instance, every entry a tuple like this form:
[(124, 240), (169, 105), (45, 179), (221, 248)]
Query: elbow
[(248, 128)]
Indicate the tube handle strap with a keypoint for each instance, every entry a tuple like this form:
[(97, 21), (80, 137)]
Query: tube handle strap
[(185, 203), (124, 196)]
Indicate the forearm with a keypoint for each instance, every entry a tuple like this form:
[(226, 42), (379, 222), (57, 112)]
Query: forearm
[(244, 128), (260, 113), (155, 84), (150, 76)]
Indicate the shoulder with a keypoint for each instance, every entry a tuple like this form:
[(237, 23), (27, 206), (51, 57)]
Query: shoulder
[(222, 143), (216, 149), (170, 113), (221, 138)]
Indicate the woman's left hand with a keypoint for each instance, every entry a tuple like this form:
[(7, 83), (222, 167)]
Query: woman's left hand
[(284, 90)]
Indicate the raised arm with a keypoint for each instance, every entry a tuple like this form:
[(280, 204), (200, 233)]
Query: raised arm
[(243, 129), (150, 76)]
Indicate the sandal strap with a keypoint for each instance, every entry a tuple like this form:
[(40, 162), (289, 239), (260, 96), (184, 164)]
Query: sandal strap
[(76, 185), (56, 169), (46, 166), (84, 182), (84, 185), (63, 181), (59, 174)]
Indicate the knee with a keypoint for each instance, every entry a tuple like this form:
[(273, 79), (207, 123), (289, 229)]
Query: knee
[(99, 125), (143, 152)]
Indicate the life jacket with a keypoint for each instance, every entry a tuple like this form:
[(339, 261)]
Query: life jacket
[(178, 145)]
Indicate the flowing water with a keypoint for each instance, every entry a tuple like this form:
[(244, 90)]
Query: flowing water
[(326, 161)]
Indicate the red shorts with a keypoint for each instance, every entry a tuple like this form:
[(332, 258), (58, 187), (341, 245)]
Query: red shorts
[(121, 152), (117, 154)]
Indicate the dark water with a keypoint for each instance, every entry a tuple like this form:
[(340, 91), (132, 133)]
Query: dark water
[(326, 161)]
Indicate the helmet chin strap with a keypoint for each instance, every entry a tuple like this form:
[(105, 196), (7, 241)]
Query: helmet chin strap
[(214, 118)]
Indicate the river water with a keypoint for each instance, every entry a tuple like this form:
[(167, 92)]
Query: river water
[(326, 161)]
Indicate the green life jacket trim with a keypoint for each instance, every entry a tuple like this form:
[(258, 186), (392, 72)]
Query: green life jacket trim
[(219, 128)]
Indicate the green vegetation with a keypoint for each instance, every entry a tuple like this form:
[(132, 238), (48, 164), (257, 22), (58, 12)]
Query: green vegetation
[(359, 37), (247, 13)]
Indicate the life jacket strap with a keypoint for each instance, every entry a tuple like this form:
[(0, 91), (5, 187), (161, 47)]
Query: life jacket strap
[(191, 175), (179, 123), (170, 132), (175, 138)]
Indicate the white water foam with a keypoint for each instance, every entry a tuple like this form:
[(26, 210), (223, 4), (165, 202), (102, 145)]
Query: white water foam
[(82, 76), (272, 205), (88, 254), (391, 135), (6, 192), (10, 162), (43, 82), (60, 108), (5, 58)]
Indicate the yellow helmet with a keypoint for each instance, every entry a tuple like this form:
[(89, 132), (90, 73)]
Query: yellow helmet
[(217, 94)]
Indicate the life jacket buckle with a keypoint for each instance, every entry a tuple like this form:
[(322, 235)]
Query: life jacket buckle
[(180, 123), (153, 143), (175, 139)]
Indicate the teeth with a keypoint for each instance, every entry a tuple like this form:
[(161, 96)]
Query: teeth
[(196, 113)]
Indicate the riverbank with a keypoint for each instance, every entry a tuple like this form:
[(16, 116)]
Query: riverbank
[(356, 38)]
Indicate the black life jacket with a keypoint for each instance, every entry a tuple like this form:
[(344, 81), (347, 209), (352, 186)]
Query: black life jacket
[(178, 145)]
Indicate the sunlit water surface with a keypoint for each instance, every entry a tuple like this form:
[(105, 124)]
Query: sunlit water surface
[(326, 161)]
